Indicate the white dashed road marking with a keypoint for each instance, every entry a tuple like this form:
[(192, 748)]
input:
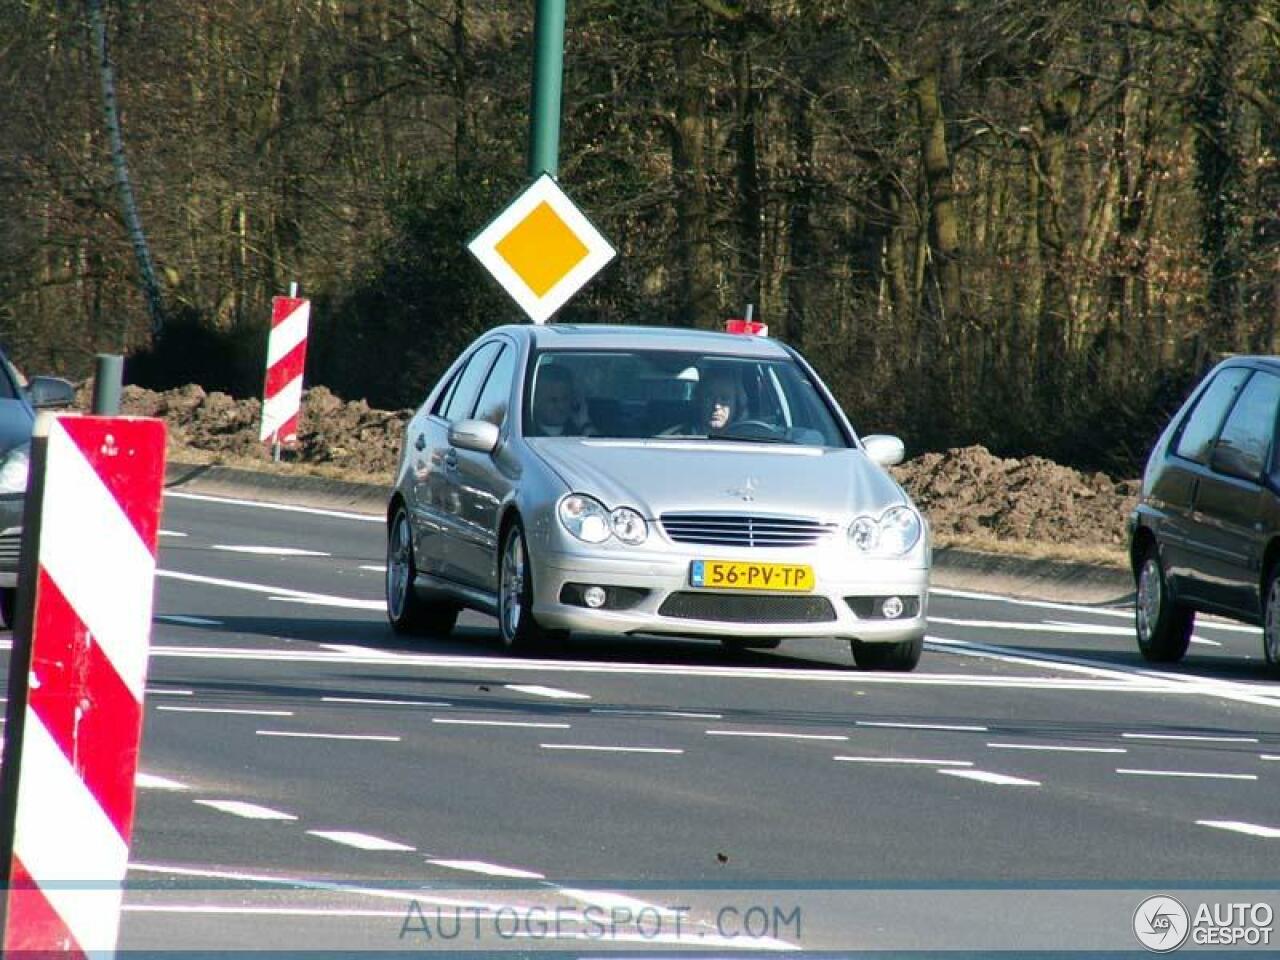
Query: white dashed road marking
[(185, 621), (1190, 774), (229, 710), (1055, 748), (489, 869), (779, 736), (149, 781), (607, 749), (374, 567), (1187, 737), (269, 551), (328, 736), (1238, 826), (162, 692), (999, 779), (961, 727), (550, 693), (919, 761), (250, 811), (389, 703), (361, 841), (683, 714)]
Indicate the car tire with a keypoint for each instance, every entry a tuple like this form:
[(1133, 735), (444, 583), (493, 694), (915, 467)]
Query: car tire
[(1271, 622), (902, 656), (407, 612), (519, 630), (749, 643), (1162, 624), (8, 605)]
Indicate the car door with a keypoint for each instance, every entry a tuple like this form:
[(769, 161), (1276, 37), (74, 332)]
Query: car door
[(484, 480), (1178, 477), (1228, 501), (437, 497)]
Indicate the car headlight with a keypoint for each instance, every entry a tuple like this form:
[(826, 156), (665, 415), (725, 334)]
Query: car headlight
[(14, 467), (585, 517), (628, 526), (896, 531)]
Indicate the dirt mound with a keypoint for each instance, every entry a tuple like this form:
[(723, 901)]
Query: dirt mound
[(969, 495), (969, 492)]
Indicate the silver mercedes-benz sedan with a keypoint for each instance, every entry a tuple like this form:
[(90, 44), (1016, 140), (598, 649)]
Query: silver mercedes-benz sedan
[(633, 480)]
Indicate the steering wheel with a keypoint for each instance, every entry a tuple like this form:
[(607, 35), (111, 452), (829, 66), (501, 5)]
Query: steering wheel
[(751, 429)]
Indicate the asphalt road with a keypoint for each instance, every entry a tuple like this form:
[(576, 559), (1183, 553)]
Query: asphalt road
[(308, 776)]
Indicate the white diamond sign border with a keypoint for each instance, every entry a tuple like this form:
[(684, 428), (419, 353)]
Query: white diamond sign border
[(484, 247)]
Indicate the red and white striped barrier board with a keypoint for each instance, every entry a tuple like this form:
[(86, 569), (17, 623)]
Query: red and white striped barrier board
[(76, 679), (286, 359)]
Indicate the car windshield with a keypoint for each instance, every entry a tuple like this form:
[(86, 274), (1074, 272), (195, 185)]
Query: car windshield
[(677, 395)]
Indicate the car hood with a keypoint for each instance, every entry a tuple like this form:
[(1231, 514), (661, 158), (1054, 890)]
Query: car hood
[(661, 476)]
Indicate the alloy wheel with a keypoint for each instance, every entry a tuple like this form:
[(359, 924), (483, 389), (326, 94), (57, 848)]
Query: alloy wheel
[(512, 586), (1271, 625), (399, 565), (1150, 597)]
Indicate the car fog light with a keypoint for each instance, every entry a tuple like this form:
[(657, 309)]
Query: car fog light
[(891, 608), (594, 597)]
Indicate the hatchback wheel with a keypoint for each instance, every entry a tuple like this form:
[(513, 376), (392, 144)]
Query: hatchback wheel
[(901, 656), (408, 612), (520, 632), (1271, 622), (1163, 624)]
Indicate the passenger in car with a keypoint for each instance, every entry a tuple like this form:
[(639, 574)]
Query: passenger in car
[(557, 409)]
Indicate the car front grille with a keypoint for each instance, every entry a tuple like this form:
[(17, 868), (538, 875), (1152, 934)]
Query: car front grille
[(747, 608), (10, 547), (743, 529)]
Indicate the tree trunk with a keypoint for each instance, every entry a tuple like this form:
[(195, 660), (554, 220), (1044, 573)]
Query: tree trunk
[(129, 206)]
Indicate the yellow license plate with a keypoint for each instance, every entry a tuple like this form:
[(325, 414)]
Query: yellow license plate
[(736, 575)]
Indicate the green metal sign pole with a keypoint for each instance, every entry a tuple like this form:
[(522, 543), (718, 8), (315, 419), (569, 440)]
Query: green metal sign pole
[(548, 73)]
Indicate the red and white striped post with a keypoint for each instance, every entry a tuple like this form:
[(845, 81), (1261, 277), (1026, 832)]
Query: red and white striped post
[(76, 679), (286, 360)]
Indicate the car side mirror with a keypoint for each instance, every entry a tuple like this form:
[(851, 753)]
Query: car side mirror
[(478, 435), (46, 392), (884, 449)]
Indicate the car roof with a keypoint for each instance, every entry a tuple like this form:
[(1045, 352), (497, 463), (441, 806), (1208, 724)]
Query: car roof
[(570, 336), (1257, 361)]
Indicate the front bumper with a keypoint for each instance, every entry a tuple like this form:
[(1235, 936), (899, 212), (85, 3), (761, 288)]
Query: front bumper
[(844, 586)]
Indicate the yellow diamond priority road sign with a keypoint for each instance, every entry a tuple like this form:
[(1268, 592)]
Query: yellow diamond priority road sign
[(542, 249)]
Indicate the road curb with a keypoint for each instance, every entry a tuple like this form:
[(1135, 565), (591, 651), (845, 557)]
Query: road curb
[(953, 567)]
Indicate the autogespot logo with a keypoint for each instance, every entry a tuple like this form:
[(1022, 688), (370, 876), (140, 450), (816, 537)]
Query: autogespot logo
[(1161, 924)]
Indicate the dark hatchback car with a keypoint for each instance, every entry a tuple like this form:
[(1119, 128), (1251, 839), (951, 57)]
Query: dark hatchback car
[(1205, 536), (19, 400)]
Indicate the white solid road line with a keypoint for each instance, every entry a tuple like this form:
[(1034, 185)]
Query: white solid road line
[(374, 567), (389, 703), (230, 710), (897, 725), (777, 735), (1268, 756), (267, 551), (250, 811), (361, 841), (1239, 826), (327, 736), (283, 593), (1055, 748), (551, 693), (149, 781), (1189, 737), (163, 692), (910, 761), (537, 725), (607, 749), (1190, 774), (281, 507), (985, 776), (488, 869), (171, 533)]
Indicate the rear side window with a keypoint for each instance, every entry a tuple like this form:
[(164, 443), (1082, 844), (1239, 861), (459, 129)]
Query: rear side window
[(462, 394), (1242, 448), (1196, 440)]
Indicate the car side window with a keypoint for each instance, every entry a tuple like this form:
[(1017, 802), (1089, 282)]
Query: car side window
[(1200, 428), (464, 391), (495, 396), (1242, 448)]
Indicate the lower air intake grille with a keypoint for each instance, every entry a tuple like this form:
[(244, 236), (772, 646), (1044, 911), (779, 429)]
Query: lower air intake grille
[(746, 608)]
